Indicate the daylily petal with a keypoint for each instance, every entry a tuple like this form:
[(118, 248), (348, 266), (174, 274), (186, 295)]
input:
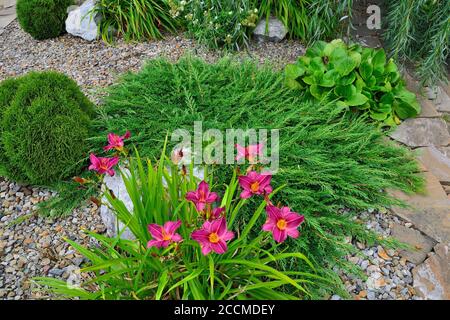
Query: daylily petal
[(212, 197), (294, 220), (268, 226), (155, 230), (154, 243), (176, 238), (246, 194), (206, 250), (172, 226), (127, 135), (279, 235), (293, 233), (191, 196), (245, 182), (228, 235), (203, 187), (219, 247), (273, 213)]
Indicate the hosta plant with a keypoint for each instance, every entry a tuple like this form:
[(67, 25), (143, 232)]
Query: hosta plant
[(189, 242), (359, 78)]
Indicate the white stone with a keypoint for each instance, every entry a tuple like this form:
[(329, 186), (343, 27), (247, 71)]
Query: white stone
[(276, 31), (117, 186), (81, 21)]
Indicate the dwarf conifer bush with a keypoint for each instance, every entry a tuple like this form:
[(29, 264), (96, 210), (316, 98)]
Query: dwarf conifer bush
[(43, 19), (44, 127)]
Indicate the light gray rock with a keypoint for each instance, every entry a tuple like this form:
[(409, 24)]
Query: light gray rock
[(432, 278), (82, 21), (422, 132), (436, 162), (421, 243), (274, 32), (117, 186)]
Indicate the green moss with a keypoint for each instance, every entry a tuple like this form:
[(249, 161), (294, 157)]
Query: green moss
[(43, 19), (45, 128)]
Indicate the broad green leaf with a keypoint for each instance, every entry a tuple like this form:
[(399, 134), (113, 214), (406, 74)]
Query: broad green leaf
[(366, 69), (378, 62), (345, 65), (357, 99), (345, 91)]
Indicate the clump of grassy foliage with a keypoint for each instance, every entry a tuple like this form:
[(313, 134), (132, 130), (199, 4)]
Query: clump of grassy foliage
[(418, 32), (329, 161), (310, 20), (134, 20), (247, 267)]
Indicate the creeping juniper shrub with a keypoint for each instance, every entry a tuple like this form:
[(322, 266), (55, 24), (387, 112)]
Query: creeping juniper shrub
[(328, 160), (44, 128), (43, 19)]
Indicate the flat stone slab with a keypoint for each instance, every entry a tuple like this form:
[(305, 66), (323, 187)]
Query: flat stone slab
[(422, 244), (428, 110), (422, 132), (429, 212), (442, 101), (432, 278), (436, 162)]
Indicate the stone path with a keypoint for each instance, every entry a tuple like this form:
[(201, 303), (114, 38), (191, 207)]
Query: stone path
[(429, 213), (7, 13)]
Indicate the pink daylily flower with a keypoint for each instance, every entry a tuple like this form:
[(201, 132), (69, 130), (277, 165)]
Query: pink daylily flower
[(103, 165), (216, 213), (116, 142), (255, 184), (213, 236), (164, 235), (250, 153), (201, 196), (282, 223)]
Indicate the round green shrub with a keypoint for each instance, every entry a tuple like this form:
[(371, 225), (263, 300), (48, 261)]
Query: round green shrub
[(7, 91), (43, 19), (45, 128)]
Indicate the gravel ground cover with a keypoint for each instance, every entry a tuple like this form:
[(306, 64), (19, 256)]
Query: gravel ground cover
[(388, 275), (31, 245)]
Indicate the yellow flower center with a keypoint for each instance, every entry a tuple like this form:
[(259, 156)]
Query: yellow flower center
[(214, 238), (254, 187), (282, 224), (166, 236)]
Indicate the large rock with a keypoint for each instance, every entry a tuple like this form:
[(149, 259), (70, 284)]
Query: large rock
[(432, 278), (420, 243), (81, 21), (436, 162), (429, 212), (422, 132), (117, 186), (276, 31), (428, 110), (440, 98)]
